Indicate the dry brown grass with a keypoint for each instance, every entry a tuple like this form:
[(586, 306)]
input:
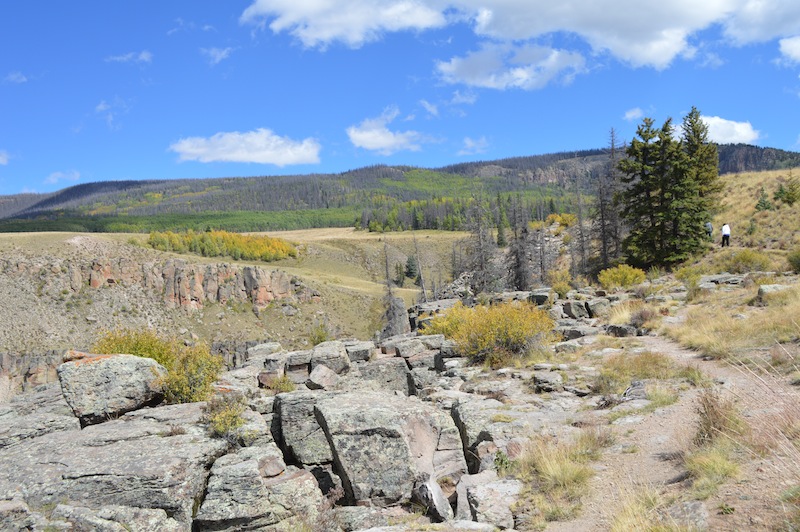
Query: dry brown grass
[(726, 327), (776, 229)]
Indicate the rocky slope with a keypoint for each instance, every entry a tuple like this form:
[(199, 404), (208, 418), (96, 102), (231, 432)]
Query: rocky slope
[(379, 429)]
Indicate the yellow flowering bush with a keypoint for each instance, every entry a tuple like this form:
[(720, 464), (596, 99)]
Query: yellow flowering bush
[(191, 370), (622, 276), (495, 334)]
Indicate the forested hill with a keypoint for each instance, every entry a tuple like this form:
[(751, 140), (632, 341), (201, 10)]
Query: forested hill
[(395, 195)]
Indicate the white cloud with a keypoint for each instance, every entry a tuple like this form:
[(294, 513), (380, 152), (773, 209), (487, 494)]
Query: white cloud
[(505, 67), (725, 131), (183, 25), (55, 177), (762, 20), (460, 98), (15, 77), (429, 107), (317, 23), (259, 146), (790, 49), (216, 55), (639, 33), (4, 157), (473, 146), (631, 115), (374, 135), (131, 57)]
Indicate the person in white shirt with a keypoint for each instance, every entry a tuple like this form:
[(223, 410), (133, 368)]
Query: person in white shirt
[(726, 235)]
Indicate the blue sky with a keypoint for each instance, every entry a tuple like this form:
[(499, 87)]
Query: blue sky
[(93, 91)]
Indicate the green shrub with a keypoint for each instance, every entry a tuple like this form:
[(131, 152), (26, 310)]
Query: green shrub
[(690, 277), (745, 261), (622, 276), (191, 370), (319, 333), (495, 334), (794, 260), (223, 414), (280, 384), (560, 281)]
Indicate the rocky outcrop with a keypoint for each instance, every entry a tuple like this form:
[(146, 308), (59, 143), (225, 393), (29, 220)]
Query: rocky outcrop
[(180, 283), (25, 372), (254, 486), (152, 458), (101, 387), (399, 424), (384, 446)]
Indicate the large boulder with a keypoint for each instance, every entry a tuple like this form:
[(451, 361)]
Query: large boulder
[(385, 446), (99, 388), (253, 489), (301, 436), (491, 503), (154, 458), (575, 309), (332, 354), (391, 374)]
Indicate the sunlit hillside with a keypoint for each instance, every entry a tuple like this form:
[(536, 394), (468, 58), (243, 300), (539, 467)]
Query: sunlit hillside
[(775, 228)]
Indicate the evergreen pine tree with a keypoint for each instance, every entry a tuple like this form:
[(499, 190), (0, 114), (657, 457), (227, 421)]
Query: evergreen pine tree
[(672, 190), (763, 204)]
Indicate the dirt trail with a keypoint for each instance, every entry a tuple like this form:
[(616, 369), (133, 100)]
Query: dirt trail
[(647, 452)]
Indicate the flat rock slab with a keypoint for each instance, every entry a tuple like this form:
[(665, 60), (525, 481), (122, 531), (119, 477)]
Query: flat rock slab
[(156, 458), (34, 414), (115, 518)]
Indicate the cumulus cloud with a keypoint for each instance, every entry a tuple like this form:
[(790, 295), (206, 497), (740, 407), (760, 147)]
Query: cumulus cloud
[(373, 134), (354, 23), (473, 146), (631, 115), (639, 33), (761, 20), (724, 131), (15, 77), (216, 55), (260, 146), (4, 157), (131, 57), (55, 177), (502, 67), (790, 49)]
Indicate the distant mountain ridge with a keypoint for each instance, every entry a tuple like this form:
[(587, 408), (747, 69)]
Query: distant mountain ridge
[(354, 189)]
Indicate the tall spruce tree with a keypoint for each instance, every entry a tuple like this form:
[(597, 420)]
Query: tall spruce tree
[(672, 190)]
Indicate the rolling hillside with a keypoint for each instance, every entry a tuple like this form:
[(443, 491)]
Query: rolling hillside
[(423, 198)]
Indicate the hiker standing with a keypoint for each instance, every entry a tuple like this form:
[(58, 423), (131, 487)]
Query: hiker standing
[(709, 231), (726, 235)]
